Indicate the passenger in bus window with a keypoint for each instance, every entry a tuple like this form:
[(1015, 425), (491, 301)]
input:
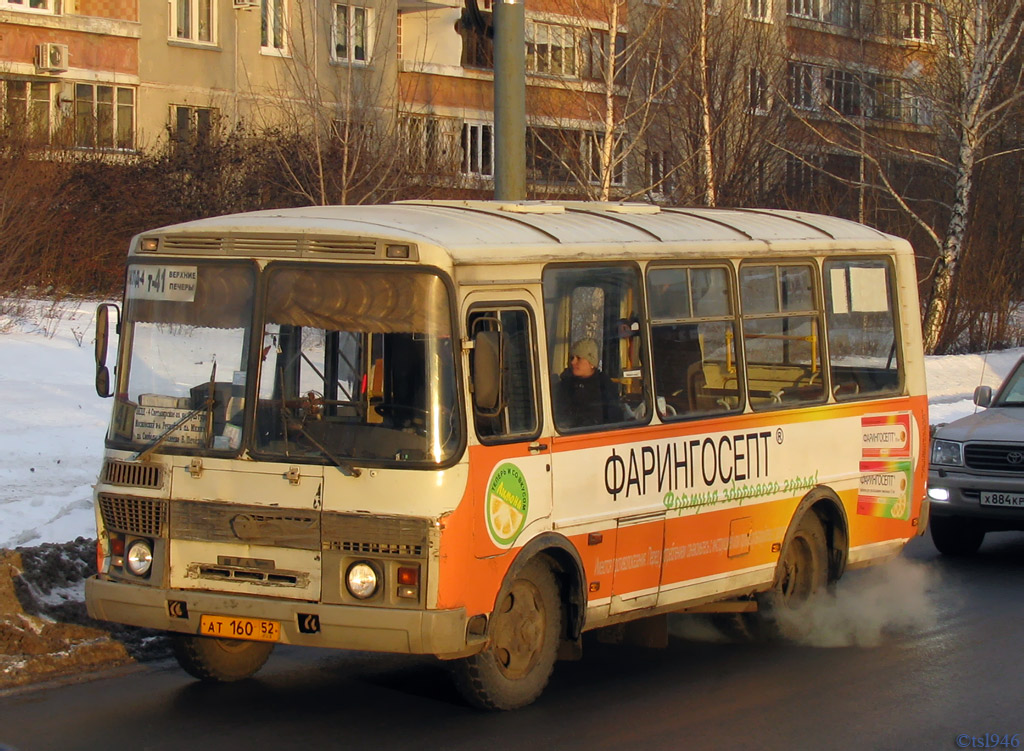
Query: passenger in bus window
[(584, 395)]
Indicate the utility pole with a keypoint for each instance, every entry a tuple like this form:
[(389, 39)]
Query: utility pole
[(509, 100)]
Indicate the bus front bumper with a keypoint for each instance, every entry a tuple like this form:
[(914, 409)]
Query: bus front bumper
[(437, 632)]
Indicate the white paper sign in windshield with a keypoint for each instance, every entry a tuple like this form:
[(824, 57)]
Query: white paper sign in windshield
[(171, 283)]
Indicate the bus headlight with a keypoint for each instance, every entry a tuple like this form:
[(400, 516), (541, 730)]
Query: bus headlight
[(362, 580), (138, 558)]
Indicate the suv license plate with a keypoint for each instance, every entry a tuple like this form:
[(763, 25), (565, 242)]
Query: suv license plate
[(233, 627), (1007, 500)]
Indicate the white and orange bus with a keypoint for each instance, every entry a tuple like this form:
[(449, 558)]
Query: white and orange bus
[(478, 429)]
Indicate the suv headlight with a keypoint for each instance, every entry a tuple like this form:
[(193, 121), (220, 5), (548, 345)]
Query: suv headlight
[(948, 452)]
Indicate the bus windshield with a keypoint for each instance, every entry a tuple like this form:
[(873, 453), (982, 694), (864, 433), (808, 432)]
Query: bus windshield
[(182, 379), (357, 364)]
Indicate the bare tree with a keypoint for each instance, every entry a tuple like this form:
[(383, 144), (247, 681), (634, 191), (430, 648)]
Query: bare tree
[(952, 71), (617, 65), (328, 117), (723, 113)]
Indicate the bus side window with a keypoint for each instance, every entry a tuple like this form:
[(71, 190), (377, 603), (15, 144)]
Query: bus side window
[(863, 352), (516, 416), (693, 341), (781, 334), (595, 346)]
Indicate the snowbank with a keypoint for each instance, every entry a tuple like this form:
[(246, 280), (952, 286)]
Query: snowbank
[(51, 448)]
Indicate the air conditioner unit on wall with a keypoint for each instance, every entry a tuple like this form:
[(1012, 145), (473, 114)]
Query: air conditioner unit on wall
[(245, 4), (52, 57)]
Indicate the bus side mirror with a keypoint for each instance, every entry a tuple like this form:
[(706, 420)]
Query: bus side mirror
[(983, 396), (487, 373), (102, 344)]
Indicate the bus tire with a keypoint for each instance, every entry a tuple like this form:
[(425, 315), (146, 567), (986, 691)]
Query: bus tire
[(221, 660), (524, 630), (953, 536), (802, 571)]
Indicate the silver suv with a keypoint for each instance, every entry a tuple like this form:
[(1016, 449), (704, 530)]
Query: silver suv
[(976, 475)]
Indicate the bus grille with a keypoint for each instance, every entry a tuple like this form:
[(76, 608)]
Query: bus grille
[(375, 535), (132, 474), (136, 516), (1000, 457), (280, 246)]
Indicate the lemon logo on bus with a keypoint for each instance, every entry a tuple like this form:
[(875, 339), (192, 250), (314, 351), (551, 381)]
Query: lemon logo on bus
[(507, 504)]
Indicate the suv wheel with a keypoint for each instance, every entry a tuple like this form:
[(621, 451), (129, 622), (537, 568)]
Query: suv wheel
[(956, 536)]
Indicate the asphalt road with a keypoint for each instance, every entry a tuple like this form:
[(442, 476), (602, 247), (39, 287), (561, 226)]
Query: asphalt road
[(931, 659)]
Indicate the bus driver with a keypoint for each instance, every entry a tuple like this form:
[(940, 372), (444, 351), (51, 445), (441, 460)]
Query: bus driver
[(584, 395)]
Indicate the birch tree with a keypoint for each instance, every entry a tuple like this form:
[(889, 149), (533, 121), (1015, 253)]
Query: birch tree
[(722, 113), (618, 64), (955, 66), (975, 87)]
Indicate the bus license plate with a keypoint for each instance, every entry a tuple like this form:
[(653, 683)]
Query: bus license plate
[(234, 627), (1006, 500)]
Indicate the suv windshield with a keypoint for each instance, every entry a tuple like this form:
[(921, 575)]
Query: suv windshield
[(1012, 392), (357, 364), (182, 378)]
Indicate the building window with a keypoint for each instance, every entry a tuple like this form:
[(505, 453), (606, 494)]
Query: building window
[(593, 56), (429, 143), (757, 92), (193, 20), (477, 32), (550, 49), (351, 33), (595, 143), (804, 8), (28, 109), (886, 99), (273, 26), (759, 10), (104, 117), (802, 85), (550, 152), (843, 91), (32, 6), (192, 125), (801, 175), (477, 149), (845, 13), (916, 20), (659, 173), (917, 110)]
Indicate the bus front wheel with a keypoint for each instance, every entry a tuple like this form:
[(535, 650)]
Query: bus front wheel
[(222, 660), (524, 630)]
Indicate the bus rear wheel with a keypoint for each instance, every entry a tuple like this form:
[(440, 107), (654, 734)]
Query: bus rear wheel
[(802, 570), (524, 630), (221, 660)]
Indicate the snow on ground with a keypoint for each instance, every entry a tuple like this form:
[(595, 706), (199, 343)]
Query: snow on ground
[(51, 448), (53, 425)]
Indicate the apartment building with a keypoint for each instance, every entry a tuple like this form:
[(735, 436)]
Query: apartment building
[(611, 104), (69, 71), (219, 63)]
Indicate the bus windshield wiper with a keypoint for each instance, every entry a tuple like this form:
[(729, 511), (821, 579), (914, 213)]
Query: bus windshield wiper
[(206, 406)]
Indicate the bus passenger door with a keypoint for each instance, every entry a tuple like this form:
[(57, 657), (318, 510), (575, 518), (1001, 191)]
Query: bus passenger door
[(510, 468)]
